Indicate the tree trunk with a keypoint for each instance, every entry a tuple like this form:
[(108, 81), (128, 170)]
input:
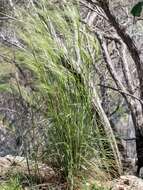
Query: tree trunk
[(107, 127), (139, 149), (137, 117)]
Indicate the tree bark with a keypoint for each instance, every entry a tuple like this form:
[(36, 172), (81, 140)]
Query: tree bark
[(137, 117)]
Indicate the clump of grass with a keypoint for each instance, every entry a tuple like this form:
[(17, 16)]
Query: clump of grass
[(12, 184), (94, 186), (59, 52)]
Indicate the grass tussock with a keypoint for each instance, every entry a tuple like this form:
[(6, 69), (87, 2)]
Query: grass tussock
[(59, 52), (12, 184)]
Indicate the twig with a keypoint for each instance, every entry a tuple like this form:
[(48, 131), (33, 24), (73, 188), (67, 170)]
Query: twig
[(122, 92)]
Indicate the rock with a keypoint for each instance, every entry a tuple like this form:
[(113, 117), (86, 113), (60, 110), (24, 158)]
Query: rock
[(7, 141), (128, 182), (16, 164)]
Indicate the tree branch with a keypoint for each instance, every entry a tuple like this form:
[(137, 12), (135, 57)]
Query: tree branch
[(122, 92), (104, 4)]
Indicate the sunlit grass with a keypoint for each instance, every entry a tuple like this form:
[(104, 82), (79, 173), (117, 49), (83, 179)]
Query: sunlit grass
[(59, 52), (12, 184)]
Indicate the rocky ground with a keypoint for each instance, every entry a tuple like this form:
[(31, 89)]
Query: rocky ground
[(12, 165), (127, 182)]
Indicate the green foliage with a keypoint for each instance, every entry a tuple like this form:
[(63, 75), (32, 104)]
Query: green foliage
[(12, 184), (94, 186), (59, 52), (137, 9)]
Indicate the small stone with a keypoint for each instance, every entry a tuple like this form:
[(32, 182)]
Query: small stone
[(121, 188), (126, 182)]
